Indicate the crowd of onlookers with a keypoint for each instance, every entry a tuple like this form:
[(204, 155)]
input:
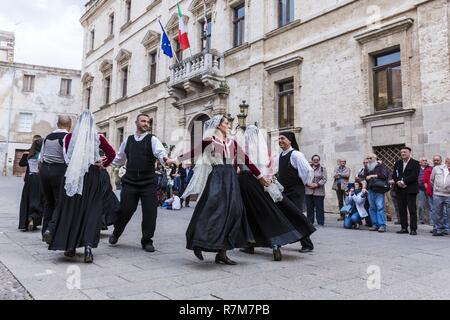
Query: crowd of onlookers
[(171, 183), (413, 186)]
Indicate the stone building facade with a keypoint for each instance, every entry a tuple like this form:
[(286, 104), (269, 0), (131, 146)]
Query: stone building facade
[(31, 98), (348, 76)]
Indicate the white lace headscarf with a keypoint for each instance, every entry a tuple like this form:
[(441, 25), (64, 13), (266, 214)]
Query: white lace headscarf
[(258, 153), (203, 166), (83, 151), (256, 149)]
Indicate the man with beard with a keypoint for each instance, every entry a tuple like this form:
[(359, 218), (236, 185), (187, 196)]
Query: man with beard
[(376, 170), (139, 152)]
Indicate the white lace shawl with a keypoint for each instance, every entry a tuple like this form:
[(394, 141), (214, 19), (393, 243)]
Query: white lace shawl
[(82, 152)]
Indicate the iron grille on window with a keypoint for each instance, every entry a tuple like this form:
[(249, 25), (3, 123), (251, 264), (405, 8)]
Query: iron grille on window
[(388, 154)]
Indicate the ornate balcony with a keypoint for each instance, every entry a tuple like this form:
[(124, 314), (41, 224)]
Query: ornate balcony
[(195, 75)]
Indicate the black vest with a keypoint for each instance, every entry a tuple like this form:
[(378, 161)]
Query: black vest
[(53, 151), (287, 174), (140, 161)]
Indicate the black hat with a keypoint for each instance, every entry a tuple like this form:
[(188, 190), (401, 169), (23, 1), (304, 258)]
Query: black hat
[(291, 137)]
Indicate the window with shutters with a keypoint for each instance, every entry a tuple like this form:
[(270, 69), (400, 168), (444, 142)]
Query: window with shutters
[(25, 122)]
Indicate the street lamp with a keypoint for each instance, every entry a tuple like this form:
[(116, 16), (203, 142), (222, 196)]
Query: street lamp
[(243, 107), (242, 117)]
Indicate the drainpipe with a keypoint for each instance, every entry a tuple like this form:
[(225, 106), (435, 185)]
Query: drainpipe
[(8, 137)]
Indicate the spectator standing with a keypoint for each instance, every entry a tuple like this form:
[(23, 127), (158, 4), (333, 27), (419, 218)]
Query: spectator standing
[(315, 193), (341, 178), (440, 180), (405, 177)]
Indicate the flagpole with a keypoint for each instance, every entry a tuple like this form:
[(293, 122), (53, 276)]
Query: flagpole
[(170, 41)]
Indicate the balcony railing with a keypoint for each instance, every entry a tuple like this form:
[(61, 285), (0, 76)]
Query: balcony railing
[(194, 68)]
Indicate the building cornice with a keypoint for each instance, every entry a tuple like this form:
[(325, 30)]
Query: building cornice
[(388, 114), (93, 5), (284, 64), (34, 67), (399, 25)]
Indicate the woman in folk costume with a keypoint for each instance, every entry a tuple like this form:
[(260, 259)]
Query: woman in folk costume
[(219, 221), (273, 219), (32, 202), (81, 205)]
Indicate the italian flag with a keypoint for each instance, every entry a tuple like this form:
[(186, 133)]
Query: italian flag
[(183, 38)]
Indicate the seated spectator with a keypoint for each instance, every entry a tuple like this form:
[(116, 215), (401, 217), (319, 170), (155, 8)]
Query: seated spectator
[(173, 203), (356, 198)]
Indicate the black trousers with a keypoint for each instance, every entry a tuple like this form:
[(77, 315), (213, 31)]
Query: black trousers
[(129, 199), (315, 209), (52, 176), (407, 202), (340, 196), (297, 196)]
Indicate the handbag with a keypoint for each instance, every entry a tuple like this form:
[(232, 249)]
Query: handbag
[(379, 185)]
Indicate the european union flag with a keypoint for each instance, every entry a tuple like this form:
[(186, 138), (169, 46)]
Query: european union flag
[(166, 47)]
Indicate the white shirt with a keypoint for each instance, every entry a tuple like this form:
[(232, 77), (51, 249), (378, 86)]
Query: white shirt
[(158, 150), (405, 164), (176, 204), (43, 144), (299, 162)]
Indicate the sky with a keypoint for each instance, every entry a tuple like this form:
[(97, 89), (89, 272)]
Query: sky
[(48, 32)]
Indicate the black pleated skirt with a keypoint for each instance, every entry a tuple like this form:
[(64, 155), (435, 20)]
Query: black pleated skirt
[(111, 204), (32, 202), (79, 218), (219, 221), (272, 224)]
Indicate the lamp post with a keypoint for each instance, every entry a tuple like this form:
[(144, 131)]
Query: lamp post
[(242, 117)]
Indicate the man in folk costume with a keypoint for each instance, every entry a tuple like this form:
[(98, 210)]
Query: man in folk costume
[(139, 152), (52, 173), (294, 173)]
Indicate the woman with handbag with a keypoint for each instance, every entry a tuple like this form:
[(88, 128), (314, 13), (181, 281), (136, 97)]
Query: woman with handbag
[(377, 183), (273, 220)]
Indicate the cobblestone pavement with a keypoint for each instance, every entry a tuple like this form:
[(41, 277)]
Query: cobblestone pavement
[(10, 288), (346, 264)]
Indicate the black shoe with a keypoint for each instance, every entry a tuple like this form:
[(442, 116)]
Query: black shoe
[(437, 234), (403, 231), (198, 254), (113, 239), (397, 222), (305, 250), (47, 237), (88, 256), (148, 247), (277, 254), (224, 259), (70, 253), (249, 250), (413, 233)]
